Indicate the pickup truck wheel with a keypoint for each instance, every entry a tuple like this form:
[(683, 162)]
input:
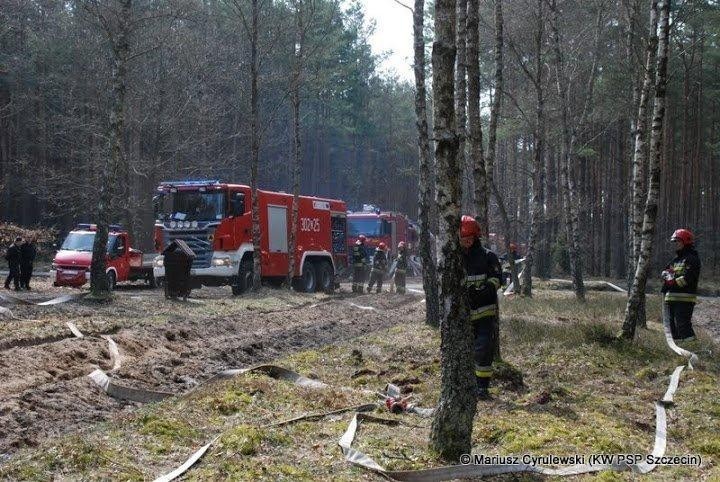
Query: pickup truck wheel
[(308, 280), (324, 276), (244, 279), (111, 280)]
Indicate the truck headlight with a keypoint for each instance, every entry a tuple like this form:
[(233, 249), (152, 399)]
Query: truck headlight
[(221, 262), (158, 262)]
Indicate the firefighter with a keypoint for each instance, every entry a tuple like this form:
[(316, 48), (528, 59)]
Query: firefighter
[(359, 264), (401, 268), (379, 267), (28, 252), (680, 280), (13, 258), (483, 275)]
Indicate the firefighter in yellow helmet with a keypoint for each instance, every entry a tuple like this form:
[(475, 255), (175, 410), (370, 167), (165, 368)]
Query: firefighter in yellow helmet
[(483, 275)]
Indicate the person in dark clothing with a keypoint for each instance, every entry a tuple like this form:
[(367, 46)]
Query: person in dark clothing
[(483, 275), (401, 268), (379, 267), (28, 252), (359, 264), (680, 281), (13, 258)]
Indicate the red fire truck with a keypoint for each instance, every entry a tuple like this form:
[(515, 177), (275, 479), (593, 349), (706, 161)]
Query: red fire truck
[(214, 220), (381, 227), (71, 266)]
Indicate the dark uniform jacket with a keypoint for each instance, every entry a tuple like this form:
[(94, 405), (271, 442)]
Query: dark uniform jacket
[(28, 253), (685, 268), (358, 255), (13, 255), (380, 261), (484, 273)]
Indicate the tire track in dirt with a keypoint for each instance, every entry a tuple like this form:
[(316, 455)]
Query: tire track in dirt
[(44, 390)]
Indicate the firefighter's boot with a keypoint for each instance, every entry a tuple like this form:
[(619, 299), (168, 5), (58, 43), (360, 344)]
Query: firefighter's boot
[(482, 388)]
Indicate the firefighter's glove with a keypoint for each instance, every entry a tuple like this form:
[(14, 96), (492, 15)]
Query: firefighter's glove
[(396, 405)]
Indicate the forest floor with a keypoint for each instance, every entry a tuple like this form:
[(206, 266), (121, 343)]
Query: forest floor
[(581, 392)]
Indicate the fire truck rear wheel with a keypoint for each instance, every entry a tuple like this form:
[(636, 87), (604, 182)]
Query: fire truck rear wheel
[(324, 275), (308, 280)]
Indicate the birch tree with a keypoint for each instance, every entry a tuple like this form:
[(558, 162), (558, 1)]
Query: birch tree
[(452, 426), (651, 204)]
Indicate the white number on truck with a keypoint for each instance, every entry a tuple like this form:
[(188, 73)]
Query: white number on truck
[(310, 224)]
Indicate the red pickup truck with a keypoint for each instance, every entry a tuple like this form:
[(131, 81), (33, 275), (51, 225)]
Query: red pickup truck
[(71, 266)]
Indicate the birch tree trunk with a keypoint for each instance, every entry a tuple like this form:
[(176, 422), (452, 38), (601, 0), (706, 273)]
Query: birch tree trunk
[(639, 194), (426, 183), (651, 204), (118, 35), (451, 428)]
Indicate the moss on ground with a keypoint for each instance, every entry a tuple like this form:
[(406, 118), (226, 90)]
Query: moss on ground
[(565, 387)]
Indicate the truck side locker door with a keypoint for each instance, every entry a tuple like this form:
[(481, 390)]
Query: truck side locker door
[(278, 218)]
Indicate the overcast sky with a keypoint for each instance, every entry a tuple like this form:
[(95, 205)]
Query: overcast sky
[(393, 34)]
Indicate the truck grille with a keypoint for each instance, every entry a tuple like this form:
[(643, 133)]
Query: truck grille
[(197, 241)]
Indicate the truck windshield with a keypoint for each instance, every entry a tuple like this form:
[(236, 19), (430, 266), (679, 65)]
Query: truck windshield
[(369, 227), (192, 206), (84, 242)]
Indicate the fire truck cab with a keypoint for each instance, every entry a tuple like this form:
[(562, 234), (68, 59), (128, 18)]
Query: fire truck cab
[(381, 227), (214, 220)]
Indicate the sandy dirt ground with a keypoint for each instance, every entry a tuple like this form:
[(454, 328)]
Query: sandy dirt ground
[(165, 345)]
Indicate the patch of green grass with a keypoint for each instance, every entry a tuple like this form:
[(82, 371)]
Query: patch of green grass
[(229, 402), (242, 440)]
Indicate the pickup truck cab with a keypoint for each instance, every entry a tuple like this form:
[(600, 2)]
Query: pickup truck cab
[(71, 266)]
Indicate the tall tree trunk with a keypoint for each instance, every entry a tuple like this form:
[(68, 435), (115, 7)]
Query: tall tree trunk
[(120, 44), (536, 213), (461, 94), (426, 184), (638, 164), (492, 148), (255, 143), (651, 205), (452, 426), (477, 159), (297, 146)]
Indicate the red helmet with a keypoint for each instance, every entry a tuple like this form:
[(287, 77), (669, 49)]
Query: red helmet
[(469, 227), (382, 246), (362, 238), (684, 235), (401, 245)]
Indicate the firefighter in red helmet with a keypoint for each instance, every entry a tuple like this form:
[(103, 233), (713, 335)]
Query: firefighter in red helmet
[(483, 275), (359, 264), (401, 268), (680, 281), (379, 266)]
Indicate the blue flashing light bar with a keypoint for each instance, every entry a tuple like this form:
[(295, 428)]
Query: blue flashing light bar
[(196, 182)]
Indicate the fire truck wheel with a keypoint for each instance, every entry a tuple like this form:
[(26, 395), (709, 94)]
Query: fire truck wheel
[(111, 280), (308, 281), (324, 276), (151, 281), (245, 275)]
